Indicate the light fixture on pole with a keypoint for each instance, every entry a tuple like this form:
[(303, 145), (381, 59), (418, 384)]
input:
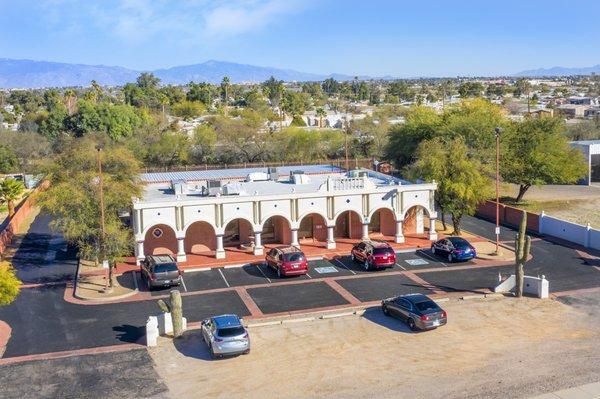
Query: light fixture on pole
[(498, 131)]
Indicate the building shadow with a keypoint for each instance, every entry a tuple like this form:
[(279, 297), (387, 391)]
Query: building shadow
[(128, 333), (375, 315), (190, 344)]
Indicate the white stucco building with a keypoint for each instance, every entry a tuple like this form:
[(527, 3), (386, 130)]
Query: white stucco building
[(216, 211)]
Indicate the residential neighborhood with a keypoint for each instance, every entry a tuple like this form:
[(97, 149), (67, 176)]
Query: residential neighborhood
[(275, 199)]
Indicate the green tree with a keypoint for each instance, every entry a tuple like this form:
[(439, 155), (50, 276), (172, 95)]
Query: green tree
[(273, 89), (535, 152), (225, 85), (9, 284), (320, 112), (54, 124), (401, 90), (8, 159), (470, 89), (204, 141), (188, 109), (10, 191), (462, 180), (172, 149), (73, 198), (201, 92)]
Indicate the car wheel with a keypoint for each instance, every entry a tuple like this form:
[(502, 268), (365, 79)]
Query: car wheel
[(433, 249), (385, 310), (366, 265), (412, 325), (247, 351), (450, 258), (212, 353)]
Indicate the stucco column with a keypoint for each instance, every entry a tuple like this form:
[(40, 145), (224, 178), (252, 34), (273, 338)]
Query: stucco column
[(330, 238), (365, 231), (399, 238), (419, 220), (295, 238), (140, 252), (220, 252), (432, 232), (258, 248), (181, 250)]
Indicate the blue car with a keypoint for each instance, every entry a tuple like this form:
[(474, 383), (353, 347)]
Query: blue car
[(454, 249)]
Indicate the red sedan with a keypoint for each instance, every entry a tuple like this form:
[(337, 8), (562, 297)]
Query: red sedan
[(287, 261), (374, 254)]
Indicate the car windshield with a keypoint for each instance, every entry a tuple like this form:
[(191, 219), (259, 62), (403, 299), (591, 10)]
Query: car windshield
[(165, 267), (460, 243), (426, 305), (294, 257), (230, 331), (382, 251)]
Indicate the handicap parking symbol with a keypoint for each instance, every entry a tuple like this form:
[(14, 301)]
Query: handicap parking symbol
[(416, 262)]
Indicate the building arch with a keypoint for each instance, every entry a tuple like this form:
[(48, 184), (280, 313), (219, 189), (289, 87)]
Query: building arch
[(345, 210), (200, 237), (348, 224), (312, 226), (238, 232), (148, 228), (382, 222), (392, 210), (276, 229), (160, 239), (414, 220)]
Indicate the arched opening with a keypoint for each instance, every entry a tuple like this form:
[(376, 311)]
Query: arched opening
[(200, 238), (238, 233), (160, 239), (382, 224), (348, 224), (313, 228), (276, 230), (415, 221)]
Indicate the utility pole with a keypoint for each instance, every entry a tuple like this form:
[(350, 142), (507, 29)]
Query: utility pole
[(346, 128), (102, 221), (497, 133)]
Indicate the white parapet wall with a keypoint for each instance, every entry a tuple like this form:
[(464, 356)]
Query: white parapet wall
[(536, 286), (569, 231)]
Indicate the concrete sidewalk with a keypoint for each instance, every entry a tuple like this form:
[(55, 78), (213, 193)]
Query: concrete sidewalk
[(588, 391)]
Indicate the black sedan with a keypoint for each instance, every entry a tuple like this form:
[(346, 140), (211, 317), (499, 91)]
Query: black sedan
[(454, 249)]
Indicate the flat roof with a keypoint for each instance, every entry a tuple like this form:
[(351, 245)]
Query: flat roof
[(163, 191), (586, 142), (238, 173)]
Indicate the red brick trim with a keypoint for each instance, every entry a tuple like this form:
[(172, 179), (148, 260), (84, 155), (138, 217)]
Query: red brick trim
[(424, 283), (341, 291), (249, 302)]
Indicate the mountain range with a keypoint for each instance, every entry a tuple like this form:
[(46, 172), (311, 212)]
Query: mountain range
[(560, 71), (38, 74)]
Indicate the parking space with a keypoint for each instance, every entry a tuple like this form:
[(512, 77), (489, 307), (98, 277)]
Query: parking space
[(326, 268), (270, 274), (353, 267), (247, 275), (472, 279), (204, 280), (385, 286), (285, 298)]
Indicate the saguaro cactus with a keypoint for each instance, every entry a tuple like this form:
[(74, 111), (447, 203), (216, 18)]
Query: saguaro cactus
[(522, 249), (176, 313)]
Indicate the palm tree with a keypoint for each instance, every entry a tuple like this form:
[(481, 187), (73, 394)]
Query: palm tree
[(10, 191), (321, 113), (225, 86), (71, 101)]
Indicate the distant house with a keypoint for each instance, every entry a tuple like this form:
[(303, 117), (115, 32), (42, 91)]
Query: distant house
[(578, 100), (541, 113), (572, 110), (591, 152)]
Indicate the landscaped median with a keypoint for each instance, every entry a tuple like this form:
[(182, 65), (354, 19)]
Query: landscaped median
[(92, 283)]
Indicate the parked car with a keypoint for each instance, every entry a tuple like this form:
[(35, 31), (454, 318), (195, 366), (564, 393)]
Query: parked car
[(287, 261), (225, 335), (160, 271), (374, 254), (454, 249), (418, 311)]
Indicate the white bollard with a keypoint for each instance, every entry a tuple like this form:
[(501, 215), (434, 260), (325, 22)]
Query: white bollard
[(165, 323), (152, 331)]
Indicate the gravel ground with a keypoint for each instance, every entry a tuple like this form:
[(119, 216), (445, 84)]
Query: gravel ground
[(493, 348)]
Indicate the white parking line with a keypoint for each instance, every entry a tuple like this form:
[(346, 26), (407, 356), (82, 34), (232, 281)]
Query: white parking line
[(432, 258), (263, 273), (183, 283), (400, 266), (344, 266), (222, 275), (308, 275)]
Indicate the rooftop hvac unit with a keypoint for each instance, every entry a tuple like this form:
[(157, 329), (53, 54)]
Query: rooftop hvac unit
[(300, 178), (214, 187), (296, 172), (273, 174), (179, 187), (234, 188), (257, 176)]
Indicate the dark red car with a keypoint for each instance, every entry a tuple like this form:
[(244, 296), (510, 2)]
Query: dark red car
[(374, 254), (287, 261)]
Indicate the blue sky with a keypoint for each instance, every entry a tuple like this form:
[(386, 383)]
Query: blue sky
[(377, 37)]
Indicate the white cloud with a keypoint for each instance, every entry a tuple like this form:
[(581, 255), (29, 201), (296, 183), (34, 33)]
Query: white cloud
[(186, 20)]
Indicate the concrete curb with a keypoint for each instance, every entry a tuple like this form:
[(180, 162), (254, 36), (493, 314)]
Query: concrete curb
[(76, 295)]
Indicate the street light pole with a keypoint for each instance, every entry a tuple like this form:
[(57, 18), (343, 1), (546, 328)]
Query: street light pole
[(346, 128), (102, 222), (498, 131)]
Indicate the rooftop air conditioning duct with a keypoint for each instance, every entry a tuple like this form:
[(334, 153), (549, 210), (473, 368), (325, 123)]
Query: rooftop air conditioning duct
[(300, 179), (214, 187), (179, 187), (257, 176), (234, 188)]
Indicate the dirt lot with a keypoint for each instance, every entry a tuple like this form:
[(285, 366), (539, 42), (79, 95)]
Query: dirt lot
[(490, 348)]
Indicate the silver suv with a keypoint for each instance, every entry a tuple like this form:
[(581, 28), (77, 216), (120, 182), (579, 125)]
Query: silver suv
[(225, 335)]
